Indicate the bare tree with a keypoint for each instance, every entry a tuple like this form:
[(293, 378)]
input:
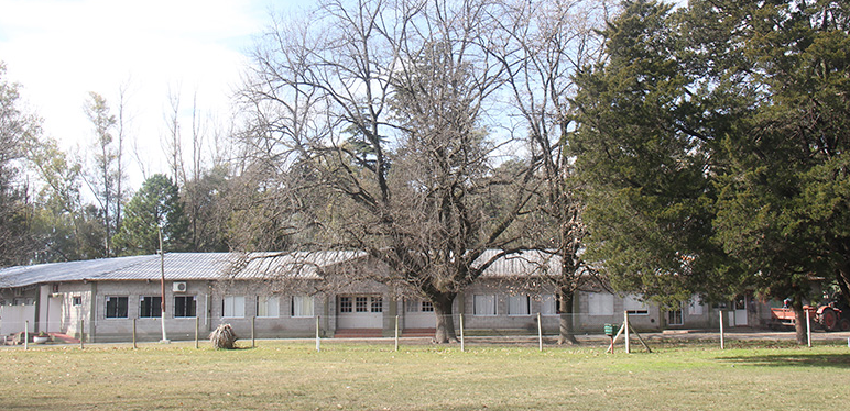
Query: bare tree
[(549, 42), (172, 144), (102, 179), (376, 118)]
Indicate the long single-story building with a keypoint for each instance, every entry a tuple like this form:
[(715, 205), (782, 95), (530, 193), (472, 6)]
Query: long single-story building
[(281, 295)]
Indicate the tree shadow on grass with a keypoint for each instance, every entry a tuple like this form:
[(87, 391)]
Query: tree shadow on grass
[(792, 360)]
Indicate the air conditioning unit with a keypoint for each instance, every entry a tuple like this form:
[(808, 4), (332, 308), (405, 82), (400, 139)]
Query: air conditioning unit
[(179, 286)]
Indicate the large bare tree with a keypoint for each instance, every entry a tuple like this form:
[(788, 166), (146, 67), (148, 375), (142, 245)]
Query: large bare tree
[(549, 42), (380, 124)]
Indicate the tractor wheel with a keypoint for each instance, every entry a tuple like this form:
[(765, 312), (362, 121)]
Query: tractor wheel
[(829, 320), (844, 325)]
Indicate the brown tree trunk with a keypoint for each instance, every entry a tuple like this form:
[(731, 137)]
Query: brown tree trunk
[(800, 323), (566, 326), (445, 319)]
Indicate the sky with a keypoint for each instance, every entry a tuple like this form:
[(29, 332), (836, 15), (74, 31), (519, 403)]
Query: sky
[(59, 50)]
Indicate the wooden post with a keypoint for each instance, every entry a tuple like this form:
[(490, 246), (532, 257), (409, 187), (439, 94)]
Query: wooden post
[(808, 328), (82, 333), (540, 331), (197, 324), (627, 332), (253, 317), (721, 328), (396, 332), (26, 335), (317, 333), (134, 334)]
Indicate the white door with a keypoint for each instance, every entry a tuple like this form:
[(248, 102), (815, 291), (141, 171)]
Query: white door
[(360, 311), (741, 313), (54, 314)]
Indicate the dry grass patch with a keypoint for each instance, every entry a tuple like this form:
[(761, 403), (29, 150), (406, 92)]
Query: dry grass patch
[(280, 375)]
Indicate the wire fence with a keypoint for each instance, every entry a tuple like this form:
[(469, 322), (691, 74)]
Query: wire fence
[(370, 328)]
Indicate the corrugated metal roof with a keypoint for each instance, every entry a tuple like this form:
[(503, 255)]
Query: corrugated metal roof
[(522, 264), (76, 270), (211, 266)]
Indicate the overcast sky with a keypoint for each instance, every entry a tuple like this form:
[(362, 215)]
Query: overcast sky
[(59, 50)]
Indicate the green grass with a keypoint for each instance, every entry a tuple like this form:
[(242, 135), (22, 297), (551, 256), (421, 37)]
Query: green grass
[(286, 375)]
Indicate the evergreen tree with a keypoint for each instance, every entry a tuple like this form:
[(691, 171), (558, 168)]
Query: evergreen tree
[(156, 205)]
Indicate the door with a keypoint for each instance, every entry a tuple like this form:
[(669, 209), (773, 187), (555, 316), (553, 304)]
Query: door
[(360, 311), (741, 312), (54, 315)]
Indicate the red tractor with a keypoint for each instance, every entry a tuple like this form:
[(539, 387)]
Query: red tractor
[(834, 316)]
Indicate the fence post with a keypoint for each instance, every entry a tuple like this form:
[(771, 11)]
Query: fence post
[(317, 333), (26, 335), (721, 328), (82, 333), (808, 328), (627, 332), (396, 332), (253, 317), (197, 324), (462, 339), (134, 334), (540, 330)]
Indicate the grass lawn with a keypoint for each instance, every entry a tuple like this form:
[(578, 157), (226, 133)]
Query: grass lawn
[(287, 375)]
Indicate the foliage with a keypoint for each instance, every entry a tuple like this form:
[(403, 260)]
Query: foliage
[(716, 145), (16, 129), (155, 206)]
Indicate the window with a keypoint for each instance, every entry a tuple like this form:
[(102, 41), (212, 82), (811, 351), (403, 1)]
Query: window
[(377, 304), (550, 305), (78, 301), (676, 316), (634, 305), (345, 304), (695, 305), (483, 305), (427, 306), (116, 307), (519, 305), (362, 304), (268, 307), (601, 303), (413, 306), (302, 306), (233, 306), (184, 307), (150, 307)]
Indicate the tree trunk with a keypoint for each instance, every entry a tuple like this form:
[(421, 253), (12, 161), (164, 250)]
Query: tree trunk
[(800, 323), (566, 327), (445, 319)]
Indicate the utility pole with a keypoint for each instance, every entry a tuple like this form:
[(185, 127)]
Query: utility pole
[(162, 283)]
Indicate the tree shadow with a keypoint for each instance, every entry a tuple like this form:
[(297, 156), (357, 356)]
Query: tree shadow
[(792, 360)]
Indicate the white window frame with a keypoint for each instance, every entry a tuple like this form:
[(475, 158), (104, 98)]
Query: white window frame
[(519, 305), (482, 305), (268, 307), (300, 303), (233, 306), (671, 316), (695, 305)]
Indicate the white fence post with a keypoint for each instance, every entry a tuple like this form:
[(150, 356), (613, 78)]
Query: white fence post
[(627, 332), (721, 328), (540, 330), (462, 339), (396, 332), (317, 333)]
